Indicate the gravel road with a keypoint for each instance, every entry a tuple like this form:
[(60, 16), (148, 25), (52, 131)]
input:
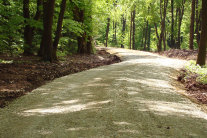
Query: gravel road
[(134, 98)]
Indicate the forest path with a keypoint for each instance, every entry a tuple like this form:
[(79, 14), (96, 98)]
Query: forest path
[(133, 98)]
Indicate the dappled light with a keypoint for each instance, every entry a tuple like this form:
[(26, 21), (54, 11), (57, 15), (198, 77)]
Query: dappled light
[(170, 108), (65, 108), (127, 99)]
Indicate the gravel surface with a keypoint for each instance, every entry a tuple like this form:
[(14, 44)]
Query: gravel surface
[(133, 98)]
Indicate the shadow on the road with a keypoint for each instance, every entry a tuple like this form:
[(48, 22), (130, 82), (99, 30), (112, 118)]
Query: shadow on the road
[(128, 99)]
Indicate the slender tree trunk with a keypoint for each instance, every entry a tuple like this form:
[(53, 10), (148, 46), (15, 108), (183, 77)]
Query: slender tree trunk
[(48, 8), (192, 26), (131, 26), (179, 28), (203, 42), (197, 30), (172, 24), (149, 38), (107, 31), (164, 40), (113, 32), (158, 38), (180, 11), (123, 30), (133, 35), (59, 28), (115, 29), (159, 48), (146, 36)]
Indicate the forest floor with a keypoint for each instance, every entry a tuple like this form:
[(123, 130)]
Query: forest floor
[(25, 73), (195, 90)]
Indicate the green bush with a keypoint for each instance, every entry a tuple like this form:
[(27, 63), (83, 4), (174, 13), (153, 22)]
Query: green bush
[(201, 72)]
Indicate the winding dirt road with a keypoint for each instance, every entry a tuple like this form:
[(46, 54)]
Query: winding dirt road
[(133, 98)]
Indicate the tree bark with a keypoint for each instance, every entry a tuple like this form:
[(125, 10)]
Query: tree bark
[(27, 29), (146, 36), (149, 38), (59, 28), (123, 30), (133, 34), (131, 26), (197, 30), (48, 8), (180, 11), (107, 31), (159, 47), (172, 24), (192, 25), (203, 41)]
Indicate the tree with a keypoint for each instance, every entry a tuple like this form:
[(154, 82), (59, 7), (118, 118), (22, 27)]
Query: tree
[(180, 10), (133, 29), (123, 29), (107, 31), (28, 29), (59, 28), (163, 17), (192, 25), (203, 41), (47, 43), (82, 15)]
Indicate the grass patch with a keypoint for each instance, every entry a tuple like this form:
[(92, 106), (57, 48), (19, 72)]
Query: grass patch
[(195, 70)]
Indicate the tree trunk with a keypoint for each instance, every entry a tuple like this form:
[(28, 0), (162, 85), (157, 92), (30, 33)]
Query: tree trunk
[(192, 25), (131, 26), (107, 31), (197, 30), (59, 28), (158, 38), (149, 38), (115, 29), (133, 35), (179, 29), (146, 36), (27, 29), (89, 44), (48, 8), (203, 41), (159, 47), (123, 30), (180, 11), (164, 40), (172, 24)]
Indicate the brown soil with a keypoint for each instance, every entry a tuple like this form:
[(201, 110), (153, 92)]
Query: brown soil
[(29, 72), (181, 54), (195, 89)]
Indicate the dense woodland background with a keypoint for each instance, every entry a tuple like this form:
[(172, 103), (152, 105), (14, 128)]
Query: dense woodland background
[(51, 28)]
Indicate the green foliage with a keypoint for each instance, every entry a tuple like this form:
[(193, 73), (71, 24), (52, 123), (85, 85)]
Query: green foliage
[(201, 72), (6, 61), (96, 13)]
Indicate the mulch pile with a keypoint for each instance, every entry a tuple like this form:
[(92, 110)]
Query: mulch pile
[(181, 54), (29, 72), (194, 89)]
